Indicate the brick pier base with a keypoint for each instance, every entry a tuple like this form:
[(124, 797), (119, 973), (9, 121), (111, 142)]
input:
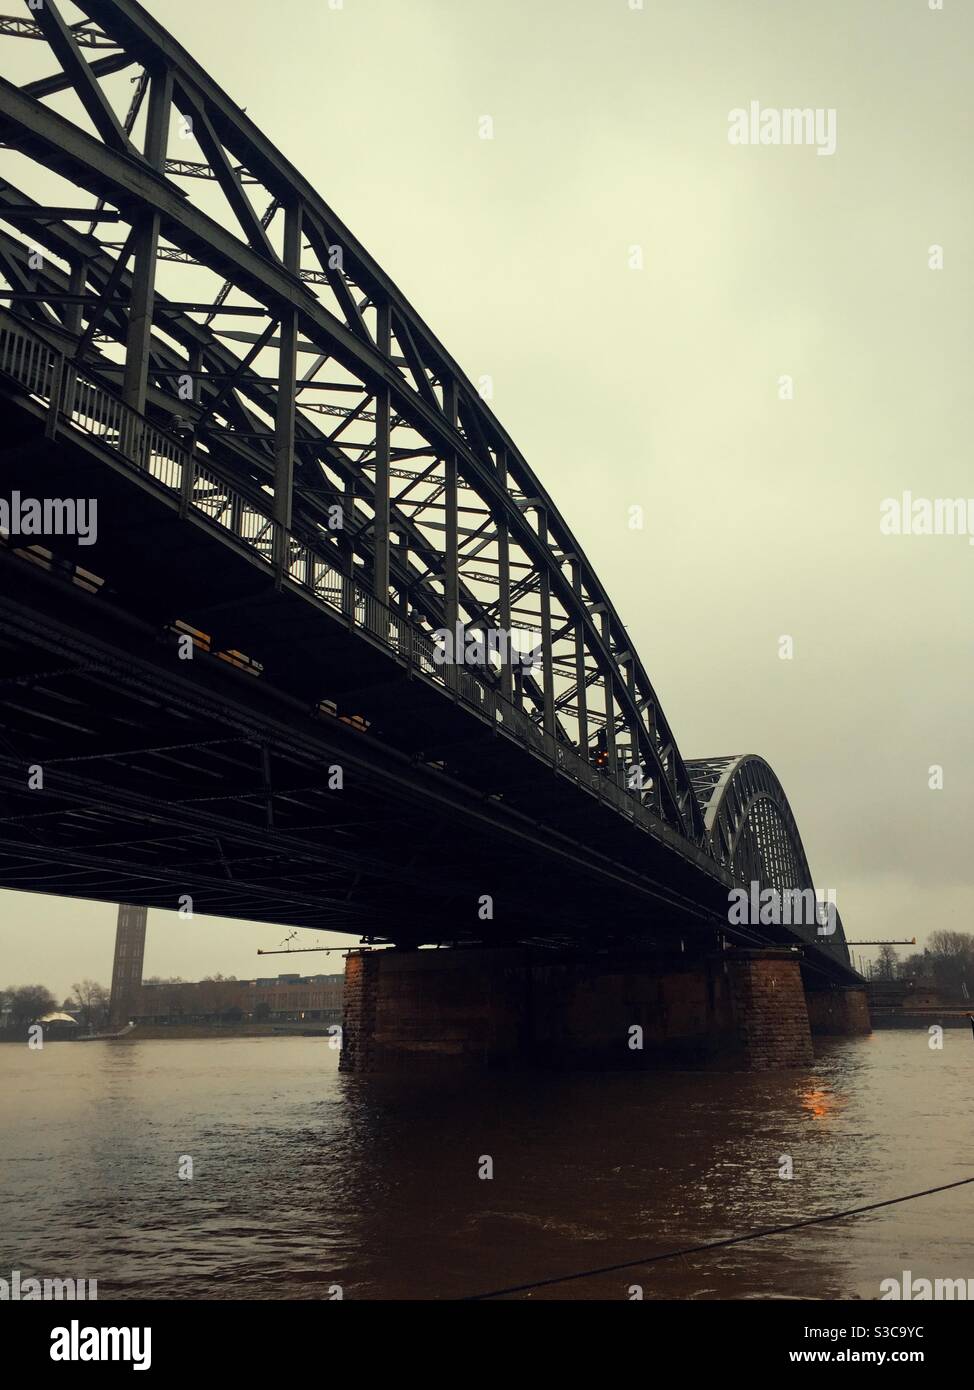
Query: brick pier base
[(358, 1011), (510, 1007), (838, 1012), (770, 1016)]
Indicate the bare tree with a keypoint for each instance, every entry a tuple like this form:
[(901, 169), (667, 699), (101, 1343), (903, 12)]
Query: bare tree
[(886, 965), (92, 1000), (915, 966), (952, 960), (951, 944)]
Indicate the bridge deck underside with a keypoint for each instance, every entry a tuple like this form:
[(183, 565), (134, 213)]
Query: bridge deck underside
[(334, 774), (165, 777)]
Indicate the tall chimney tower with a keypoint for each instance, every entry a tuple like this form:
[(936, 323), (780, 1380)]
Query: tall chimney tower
[(127, 969)]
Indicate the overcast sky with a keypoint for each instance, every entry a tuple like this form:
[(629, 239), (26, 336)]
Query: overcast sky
[(659, 386)]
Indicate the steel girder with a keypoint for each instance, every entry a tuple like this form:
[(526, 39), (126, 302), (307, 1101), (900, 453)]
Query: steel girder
[(442, 516), (245, 312), (162, 779)]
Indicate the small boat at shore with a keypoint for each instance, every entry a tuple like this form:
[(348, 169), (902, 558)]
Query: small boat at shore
[(107, 1037)]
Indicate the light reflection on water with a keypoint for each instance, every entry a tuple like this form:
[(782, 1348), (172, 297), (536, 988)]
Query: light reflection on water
[(304, 1178)]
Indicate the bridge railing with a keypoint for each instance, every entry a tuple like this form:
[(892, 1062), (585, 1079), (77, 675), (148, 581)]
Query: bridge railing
[(27, 359), (77, 401)]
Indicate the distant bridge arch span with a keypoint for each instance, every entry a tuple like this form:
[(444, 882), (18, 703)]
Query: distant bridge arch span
[(753, 831)]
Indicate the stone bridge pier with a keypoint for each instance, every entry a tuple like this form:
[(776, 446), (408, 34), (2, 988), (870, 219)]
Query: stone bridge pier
[(508, 1007)]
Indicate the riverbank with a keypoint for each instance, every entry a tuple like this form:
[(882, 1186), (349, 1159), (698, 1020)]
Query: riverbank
[(175, 1031), (232, 1030), (919, 1018)]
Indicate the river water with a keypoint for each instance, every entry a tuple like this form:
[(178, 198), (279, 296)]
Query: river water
[(305, 1181)]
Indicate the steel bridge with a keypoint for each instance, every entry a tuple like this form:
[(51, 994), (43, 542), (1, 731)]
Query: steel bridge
[(237, 694)]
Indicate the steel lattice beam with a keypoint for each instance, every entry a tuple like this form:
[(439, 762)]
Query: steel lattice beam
[(469, 434), (467, 535)]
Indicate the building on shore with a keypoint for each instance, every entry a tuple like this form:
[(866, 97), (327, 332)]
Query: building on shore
[(286, 998), (917, 1003)]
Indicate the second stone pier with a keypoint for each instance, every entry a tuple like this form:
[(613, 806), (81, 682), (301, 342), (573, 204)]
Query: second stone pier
[(508, 1007)]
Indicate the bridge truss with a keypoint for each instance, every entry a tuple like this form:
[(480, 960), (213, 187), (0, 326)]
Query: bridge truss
[(317, 390), (209, 318)]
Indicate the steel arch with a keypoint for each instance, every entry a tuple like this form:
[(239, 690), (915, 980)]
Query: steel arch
[(443, 519), (179, 313)]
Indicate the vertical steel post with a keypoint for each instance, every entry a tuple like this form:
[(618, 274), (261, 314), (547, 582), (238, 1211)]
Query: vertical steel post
[(451, 518), (62, 389), (633, 725), (504, 582), (383, 410), (581, 700), (74, 313), (348, 581), (610, 712), (146, 247), (187, 482), (194, 367), (544, 588), (287, 385)]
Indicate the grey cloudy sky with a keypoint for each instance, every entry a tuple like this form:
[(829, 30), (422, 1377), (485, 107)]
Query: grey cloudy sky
[(659, 387)]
